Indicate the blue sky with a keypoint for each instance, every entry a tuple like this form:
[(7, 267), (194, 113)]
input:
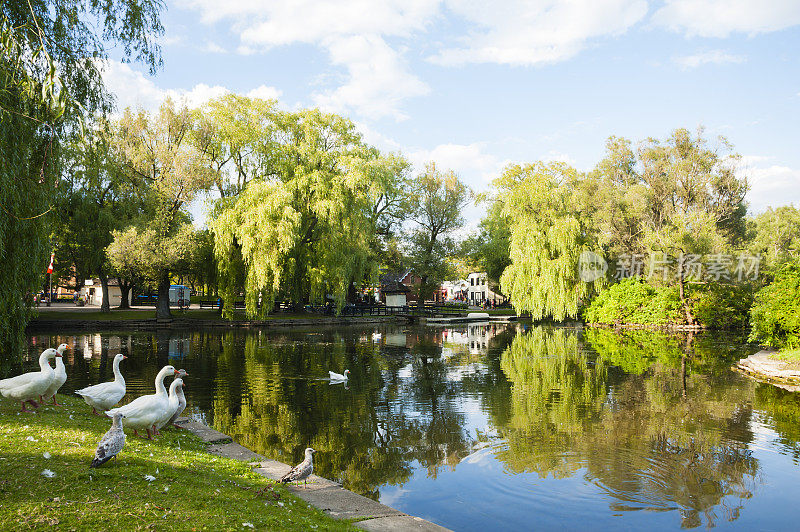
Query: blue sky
[(474, 85)]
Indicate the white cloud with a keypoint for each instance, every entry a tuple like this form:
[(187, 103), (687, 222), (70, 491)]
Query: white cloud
[(352, 31), (264, 92), (714, 57), (720, 18), (213, 48), (771, 185), (471, 162), (535, 32), (132, 89), (378, 80)]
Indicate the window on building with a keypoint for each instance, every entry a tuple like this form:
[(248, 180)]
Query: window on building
[(472, 281)]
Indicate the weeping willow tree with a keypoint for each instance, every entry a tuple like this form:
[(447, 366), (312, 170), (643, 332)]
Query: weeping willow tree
[(549, 207), (49, 80), (305, 229)]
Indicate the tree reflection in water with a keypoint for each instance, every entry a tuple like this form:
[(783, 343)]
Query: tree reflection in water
[(660, 437), (653, 421)]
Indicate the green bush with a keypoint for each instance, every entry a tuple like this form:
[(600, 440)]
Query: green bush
[(633, 301), (722, 306), (775, 315)]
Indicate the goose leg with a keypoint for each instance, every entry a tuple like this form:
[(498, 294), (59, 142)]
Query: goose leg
[(149, 437), (23, 409), (33, 403), (135, 433), (56, 402)]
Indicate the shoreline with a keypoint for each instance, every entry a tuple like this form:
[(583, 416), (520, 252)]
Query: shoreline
[(152, 324), (763, 368), (326, 495)]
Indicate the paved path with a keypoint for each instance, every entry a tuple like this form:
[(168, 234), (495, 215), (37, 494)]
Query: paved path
[(325, 494)]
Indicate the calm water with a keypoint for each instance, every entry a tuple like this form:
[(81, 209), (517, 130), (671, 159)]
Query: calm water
[(494, 426)]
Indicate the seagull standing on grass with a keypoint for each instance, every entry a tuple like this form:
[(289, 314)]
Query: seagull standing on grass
[(302, 470), (111, 443)]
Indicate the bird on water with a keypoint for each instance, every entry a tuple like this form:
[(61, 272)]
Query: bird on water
[(302, 470)]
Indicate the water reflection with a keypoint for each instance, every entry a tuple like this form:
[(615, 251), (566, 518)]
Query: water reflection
[(658, 439), (601, 422)]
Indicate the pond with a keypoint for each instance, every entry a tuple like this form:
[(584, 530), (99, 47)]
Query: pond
[(492, 426)]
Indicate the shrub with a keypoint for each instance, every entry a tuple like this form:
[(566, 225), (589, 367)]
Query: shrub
[(722, 306), (775, 315), (633, 301)]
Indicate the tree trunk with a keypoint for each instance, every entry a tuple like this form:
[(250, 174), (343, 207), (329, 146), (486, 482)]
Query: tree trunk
[(422, 288), (106, 305), (162, 305), (125, 291), (681, 293)]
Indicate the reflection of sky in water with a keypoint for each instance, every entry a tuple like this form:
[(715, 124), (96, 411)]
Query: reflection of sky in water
[(478, 430)]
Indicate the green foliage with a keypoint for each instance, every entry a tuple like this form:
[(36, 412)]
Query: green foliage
[(489, 249), (49, 81), (722, 306), (775, 315), (777, 237), (633, 301), (306, 228), (549, 206), (434, 202)]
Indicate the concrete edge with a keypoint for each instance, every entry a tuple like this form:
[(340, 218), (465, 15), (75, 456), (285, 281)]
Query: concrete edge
[(763, 368), (327, 495)]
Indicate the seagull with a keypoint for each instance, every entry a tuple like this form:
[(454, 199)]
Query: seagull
[(111, 443), (338, 376), (302, 470)]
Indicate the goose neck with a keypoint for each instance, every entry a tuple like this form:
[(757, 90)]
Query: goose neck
[(117, 375), (160, 389)]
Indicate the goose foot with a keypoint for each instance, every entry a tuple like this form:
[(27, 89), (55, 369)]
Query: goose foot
[(56, 403), (23, 409)]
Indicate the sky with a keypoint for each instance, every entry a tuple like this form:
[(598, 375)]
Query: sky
[(474, 85)]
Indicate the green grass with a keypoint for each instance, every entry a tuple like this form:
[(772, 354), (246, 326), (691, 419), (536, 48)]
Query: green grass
[(788, 355), (192, 490)]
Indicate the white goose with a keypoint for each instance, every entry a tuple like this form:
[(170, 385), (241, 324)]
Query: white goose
[(145, 411), (174, 402), (60, 376), (106, 394), (181, 400), (26, 388), (338, 376)]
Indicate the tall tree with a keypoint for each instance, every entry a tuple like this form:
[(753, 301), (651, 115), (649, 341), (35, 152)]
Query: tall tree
[(50, 52), (305, 227), (681, 198), (434, 204), (551, 209), (156, 152), (96, 200)]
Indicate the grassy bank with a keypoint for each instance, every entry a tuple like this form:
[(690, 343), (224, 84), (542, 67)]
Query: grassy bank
[(788, 355), (167, 484)]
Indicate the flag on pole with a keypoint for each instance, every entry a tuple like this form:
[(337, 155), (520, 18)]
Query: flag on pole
[(50, 268)]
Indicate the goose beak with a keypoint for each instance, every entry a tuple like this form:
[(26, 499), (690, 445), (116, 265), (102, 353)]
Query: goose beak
[(124, 357), (58, 355)]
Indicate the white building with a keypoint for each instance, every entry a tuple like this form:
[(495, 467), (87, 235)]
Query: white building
[(478, 291), (92, 293)]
